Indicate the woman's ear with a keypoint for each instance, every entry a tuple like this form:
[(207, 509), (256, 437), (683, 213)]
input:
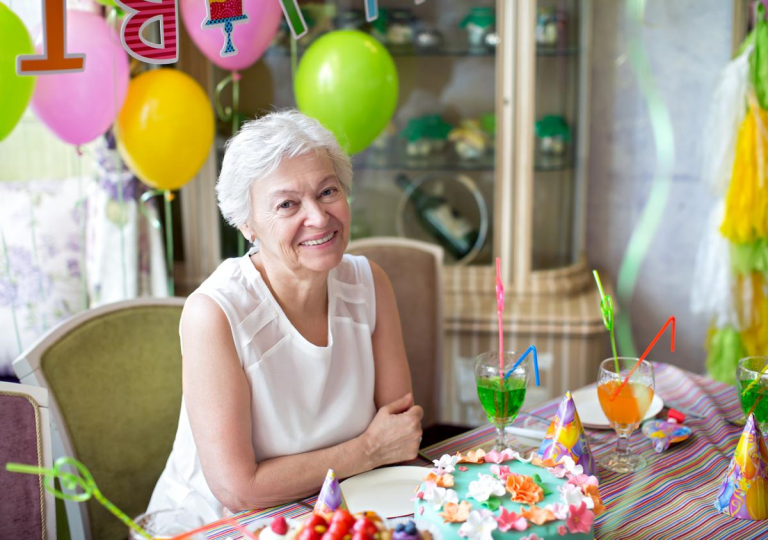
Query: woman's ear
[(248, 233)]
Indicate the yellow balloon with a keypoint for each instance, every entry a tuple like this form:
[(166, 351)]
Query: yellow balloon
[(165, 129)]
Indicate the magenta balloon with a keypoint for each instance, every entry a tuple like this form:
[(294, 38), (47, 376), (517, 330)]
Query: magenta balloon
[(251, 38), (80, 106)]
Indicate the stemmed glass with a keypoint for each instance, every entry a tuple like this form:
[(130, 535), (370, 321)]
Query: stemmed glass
[(167, 524), (626, 410), (752, 384), (501, 397)]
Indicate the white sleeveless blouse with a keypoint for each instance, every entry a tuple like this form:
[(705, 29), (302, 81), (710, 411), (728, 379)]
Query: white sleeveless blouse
[(303, 397)]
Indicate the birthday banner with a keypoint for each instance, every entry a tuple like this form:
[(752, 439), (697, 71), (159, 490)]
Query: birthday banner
[(223, 14)]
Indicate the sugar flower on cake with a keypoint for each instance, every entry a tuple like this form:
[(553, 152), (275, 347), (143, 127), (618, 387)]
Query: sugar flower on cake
[(597, 503), (523, 489), (580, 520), (538, 516), (583, 480), (500, 471), (560, 511), (509, 521), (456, 513), (494, 456), (479, 526), (532, 536), (566, 466), (485, 486), (442, 480), (572, 495), (438, 497), (446, 464), (473, 456)]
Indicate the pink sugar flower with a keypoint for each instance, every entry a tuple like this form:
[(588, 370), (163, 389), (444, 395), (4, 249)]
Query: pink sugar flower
[(532, 536), (562, 531), (509, 520), (582, 480), (580, 520), (463, 468), (502, 471)]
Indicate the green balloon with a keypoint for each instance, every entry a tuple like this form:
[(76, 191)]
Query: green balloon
[(15, 90), (348, 81)]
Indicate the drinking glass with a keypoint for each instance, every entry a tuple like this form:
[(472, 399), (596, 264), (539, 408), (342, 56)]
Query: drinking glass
[(626, 410), (753, 388), (501, 397), (164, 524)]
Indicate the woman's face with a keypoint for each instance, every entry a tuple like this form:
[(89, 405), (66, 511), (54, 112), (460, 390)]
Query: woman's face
[(300, 214)]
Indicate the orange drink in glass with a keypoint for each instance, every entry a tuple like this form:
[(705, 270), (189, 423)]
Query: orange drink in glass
[(626, 409)]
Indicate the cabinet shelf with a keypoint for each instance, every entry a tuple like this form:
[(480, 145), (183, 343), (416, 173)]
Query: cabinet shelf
[(449, 50), (396, 158)]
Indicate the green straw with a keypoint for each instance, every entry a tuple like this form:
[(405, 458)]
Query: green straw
[(71, 481), (755, 381), (606, 308)]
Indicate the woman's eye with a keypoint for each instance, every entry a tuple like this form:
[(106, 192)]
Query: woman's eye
[(286, 205), (328, 192)]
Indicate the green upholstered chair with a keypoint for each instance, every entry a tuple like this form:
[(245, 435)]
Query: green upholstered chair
[(114, 378)]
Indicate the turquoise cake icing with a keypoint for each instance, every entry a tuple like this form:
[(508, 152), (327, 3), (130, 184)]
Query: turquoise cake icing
[(559, 528)]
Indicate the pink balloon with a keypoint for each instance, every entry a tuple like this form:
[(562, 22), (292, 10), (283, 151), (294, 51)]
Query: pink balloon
[(251, 38), (80, 106)]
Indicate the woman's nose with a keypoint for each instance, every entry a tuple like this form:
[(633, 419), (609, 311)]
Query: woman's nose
[(316, 216)]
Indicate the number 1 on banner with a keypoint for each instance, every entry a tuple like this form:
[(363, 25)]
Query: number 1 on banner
[(294, 18), (54, 58), (371, 10)]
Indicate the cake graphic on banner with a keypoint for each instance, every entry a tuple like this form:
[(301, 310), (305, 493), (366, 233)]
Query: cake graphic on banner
[(225, 13), (744, 491)]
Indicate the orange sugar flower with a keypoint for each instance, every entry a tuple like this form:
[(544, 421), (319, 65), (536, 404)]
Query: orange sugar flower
[(594, 494), (456, 513), (524, 489), (537, 515), (473, 456), (549, 462), (442, 480)]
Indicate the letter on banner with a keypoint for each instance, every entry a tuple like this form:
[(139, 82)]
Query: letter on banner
[(54, 58), (142, 13)]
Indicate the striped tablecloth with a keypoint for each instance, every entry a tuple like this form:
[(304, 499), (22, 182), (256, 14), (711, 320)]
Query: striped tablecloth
[(671, 499)]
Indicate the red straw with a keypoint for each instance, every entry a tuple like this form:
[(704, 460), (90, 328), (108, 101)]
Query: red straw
[(499, 311), (639, 361)]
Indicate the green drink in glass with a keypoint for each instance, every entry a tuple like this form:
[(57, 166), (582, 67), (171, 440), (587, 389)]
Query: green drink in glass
[(501, 395), (752, 384)]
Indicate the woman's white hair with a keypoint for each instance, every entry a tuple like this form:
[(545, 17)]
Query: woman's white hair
[(259, 147)]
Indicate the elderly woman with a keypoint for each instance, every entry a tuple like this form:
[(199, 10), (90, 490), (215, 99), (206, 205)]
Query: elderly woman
[(293, 355)]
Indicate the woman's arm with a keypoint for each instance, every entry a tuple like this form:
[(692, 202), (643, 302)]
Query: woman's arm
[(218, 402), (393, 378)]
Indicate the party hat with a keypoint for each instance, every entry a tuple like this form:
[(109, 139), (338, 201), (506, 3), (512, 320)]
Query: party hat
[(744, 492), (331, 498), (565, 437)]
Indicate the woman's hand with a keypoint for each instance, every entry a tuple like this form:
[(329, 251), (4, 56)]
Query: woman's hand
[(394, 433)]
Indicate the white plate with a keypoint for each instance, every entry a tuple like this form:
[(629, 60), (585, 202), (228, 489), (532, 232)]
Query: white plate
[(591, 413), (387, 491)]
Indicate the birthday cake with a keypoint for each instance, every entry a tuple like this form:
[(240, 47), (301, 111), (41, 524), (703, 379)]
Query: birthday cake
[(502, 496), (225, 9)]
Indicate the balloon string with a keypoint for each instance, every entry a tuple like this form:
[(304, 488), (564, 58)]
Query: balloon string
[(112, 21), (168, 197), (81, 205), (72, 481), (235, 129), (224, 113), (12, 287), (294, 59), (653, 212)]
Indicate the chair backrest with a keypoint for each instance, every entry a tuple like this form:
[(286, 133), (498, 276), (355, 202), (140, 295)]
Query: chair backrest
[(415, 270), (27, 510), (114, 375)]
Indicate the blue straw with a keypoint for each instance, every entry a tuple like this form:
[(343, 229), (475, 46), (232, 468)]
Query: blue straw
[(535, 363)]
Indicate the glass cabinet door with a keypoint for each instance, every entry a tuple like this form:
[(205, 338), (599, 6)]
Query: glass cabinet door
[(559, 134), (430, 174)]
